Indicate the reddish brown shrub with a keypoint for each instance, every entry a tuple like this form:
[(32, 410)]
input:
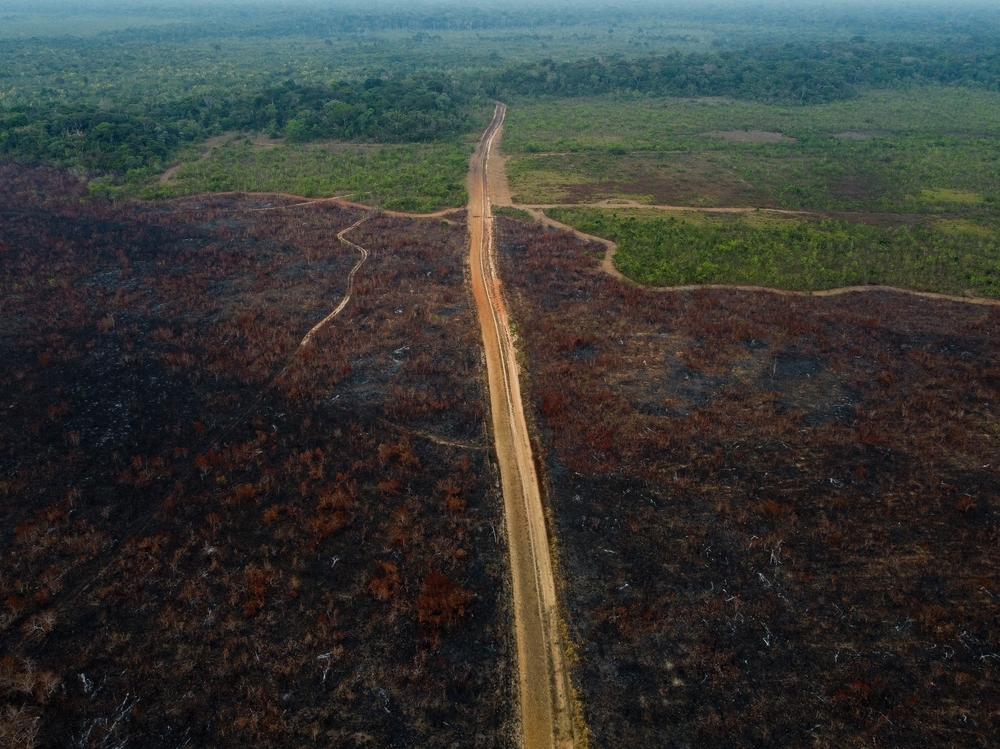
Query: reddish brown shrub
[(441, 603), (386, 584)]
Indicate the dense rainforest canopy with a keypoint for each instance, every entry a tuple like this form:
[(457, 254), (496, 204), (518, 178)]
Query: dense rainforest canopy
[(418, 108), (788, 74), (142, 134)]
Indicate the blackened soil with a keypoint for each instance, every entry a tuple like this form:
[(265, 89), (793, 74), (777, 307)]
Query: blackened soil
[(777, 518)]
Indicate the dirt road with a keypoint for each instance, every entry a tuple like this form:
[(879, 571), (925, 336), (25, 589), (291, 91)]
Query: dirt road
[(548, 713)]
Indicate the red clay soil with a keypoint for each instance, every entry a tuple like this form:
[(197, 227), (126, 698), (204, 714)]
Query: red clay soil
[(777, 516)]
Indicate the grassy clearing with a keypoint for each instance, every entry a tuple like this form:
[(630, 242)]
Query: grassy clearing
[(947, 196), (408, 177), (796, 254), (928, 150), (609, 122)]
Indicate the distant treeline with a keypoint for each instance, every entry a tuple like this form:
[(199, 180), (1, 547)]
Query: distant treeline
[(185, 22), (139, 137), (789, 74), (418, 108)]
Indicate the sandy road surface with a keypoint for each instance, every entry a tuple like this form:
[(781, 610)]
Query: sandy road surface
[(548, 717)]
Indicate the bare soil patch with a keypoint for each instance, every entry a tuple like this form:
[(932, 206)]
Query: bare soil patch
[(499, 186)]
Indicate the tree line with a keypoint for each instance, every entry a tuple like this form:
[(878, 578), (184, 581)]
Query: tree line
[(135, 137), (139, 137), (784, 74)]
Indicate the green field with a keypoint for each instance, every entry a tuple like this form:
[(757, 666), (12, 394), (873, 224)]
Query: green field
[(408, 177), (950, 256), (924, 150)]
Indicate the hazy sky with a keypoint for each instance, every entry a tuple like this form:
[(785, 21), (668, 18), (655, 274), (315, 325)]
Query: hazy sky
[(830, 5)]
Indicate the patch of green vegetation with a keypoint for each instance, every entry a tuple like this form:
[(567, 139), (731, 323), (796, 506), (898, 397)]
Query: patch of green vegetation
[(793, 254), (963, 227), (878, 152), (141, 137), (950, 196), (407, 177), (654, 123), (509, 212)]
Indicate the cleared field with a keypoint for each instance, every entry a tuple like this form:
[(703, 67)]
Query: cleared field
[(949, 256), (902, 151), (776, 517), (410, 177)]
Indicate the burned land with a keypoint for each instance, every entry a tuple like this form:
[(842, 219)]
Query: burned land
[(776, 517), (216, 536)]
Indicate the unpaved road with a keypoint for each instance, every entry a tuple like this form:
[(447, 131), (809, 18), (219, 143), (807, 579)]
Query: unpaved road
[(548, 711)]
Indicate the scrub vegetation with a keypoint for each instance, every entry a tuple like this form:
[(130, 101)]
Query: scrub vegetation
[(927, 149), (805, 254), (410, 177)]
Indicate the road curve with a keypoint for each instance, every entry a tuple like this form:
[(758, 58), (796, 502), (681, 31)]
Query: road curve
[(548, 711)]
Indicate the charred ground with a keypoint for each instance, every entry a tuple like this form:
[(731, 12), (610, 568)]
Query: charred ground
[(775, 516), (215, 537)]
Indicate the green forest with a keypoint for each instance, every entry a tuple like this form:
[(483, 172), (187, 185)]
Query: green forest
[(119, 140), (787, 73), (123, 102)]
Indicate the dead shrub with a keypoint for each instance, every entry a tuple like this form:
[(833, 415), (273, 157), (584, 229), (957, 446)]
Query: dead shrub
[(441, 602), (18, 728)]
